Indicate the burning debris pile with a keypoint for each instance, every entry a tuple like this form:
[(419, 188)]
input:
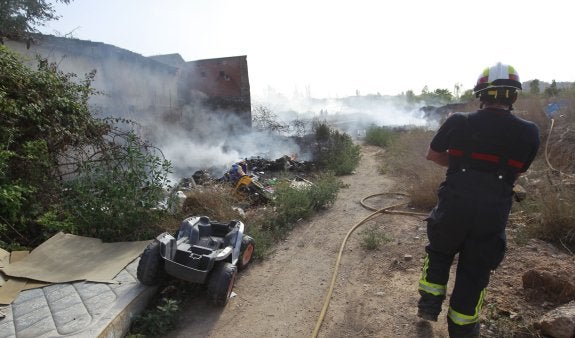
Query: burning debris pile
[(284, 163), (257, 179), (256, 167)]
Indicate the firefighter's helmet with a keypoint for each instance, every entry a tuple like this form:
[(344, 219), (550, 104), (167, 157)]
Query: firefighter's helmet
[(498, 83)]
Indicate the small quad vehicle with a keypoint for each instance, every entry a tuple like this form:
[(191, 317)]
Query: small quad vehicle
[(202, 252)]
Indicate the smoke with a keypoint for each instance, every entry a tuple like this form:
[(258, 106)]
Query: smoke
[(191, 136), (204, 139), (350, 114)]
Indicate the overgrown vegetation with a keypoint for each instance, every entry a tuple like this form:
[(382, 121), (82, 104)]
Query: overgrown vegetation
[(379, 136), (62, 169), (335, 151), (551, 181)]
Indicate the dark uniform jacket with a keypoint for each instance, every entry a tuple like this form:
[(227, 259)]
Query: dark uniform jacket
[(489, 140), (487, 150)]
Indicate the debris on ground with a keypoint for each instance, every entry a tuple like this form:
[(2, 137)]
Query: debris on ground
[(258, 185)]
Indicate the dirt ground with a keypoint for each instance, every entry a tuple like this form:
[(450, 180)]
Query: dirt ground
[(375, 294)]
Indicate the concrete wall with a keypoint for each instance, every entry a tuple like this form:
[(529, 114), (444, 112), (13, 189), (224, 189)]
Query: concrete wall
[(223, 81), (146, 88)]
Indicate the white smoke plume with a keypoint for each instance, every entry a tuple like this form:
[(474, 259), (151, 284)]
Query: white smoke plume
[(202, 139), (350, 114)]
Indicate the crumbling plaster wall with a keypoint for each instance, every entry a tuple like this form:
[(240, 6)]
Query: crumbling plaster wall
[(131, 86), (222, 83), (146, 88)]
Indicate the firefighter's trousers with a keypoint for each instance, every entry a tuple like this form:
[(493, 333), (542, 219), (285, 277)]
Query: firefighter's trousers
[(468, 221)]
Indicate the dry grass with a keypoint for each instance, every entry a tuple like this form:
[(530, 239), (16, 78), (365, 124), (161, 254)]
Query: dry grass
[(406, 158), (549, 206), (557, 138), (550, 182), (216, 202)]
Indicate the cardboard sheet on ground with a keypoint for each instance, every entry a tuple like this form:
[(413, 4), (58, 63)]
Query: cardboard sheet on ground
[(12, 286), (68, 258)]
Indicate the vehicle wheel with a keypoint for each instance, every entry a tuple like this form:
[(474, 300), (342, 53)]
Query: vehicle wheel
[(151, 266), (221, 283), (246, 252)]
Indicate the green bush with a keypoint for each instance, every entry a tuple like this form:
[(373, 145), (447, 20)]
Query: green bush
[(112, 198), (379, 136), (335, 151), (324, 191), (61, 169), (157, 321), (291, 205), (294, 203), (44, 116)]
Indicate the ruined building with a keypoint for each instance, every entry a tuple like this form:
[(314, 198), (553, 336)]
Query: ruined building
[(145, 89)]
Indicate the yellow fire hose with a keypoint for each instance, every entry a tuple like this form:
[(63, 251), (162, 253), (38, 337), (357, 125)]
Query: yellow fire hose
[(387, 210)]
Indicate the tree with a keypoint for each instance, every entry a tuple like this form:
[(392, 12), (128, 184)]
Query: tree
[(18, 18), (534, 87), (264, 119), (552, 90), (410, 96), (457, 90), (438, 96), (466, 96), (444, 95), (298, 127)]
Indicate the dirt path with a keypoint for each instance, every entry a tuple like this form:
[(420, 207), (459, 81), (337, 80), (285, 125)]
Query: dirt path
[(376, 291)]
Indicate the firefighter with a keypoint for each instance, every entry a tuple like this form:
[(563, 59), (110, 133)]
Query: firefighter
[(484, 153)]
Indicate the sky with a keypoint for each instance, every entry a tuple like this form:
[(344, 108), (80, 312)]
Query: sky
[(330, 49)]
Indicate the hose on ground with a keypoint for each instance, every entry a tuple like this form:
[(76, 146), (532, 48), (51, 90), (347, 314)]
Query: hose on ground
[(388, 210)]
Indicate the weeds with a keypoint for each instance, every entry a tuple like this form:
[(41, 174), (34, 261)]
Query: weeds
[(379, 136), (498, 324), (555, 221), (373, 238), (159, 321), (292, 205), (61, 169)]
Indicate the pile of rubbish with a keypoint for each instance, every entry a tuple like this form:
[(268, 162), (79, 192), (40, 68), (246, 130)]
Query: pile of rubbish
[(257, 181), (257, 167), (284, 163)]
